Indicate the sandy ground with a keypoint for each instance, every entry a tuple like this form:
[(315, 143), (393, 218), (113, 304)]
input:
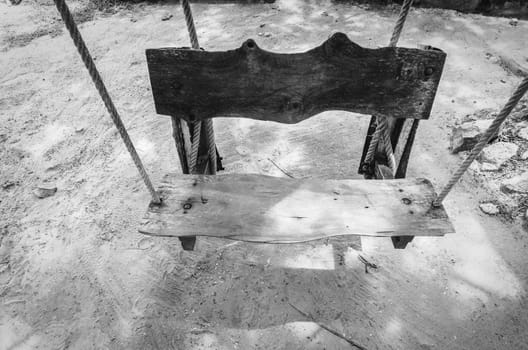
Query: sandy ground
[(75, 273)]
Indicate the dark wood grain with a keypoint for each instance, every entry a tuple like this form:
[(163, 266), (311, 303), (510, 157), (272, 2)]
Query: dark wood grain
[(258, 208), (180, 133), (252, 83)]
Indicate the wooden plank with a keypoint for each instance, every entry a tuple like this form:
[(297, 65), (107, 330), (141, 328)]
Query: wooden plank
[(253, 83), (259, 208)]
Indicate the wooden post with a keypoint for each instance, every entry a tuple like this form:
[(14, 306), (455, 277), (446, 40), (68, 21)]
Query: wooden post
[(182, 137), (182, 140), (403, 161), (182, 133)]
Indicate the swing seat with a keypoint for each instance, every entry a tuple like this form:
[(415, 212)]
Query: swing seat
[(266, 209), (193, 85)]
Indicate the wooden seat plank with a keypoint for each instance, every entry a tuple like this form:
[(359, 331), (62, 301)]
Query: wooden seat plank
[(249, 82), (259, 208)]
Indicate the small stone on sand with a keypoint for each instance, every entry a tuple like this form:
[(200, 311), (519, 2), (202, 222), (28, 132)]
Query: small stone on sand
[(489, 208), (44, 191)]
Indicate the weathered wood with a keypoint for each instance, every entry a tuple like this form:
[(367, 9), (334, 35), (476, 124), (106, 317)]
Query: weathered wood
[(403, 159), (367, 169), (252, 83), (400, 242), (182, 133), (402, 148), (182, 141), (402, 144), (258, 208)]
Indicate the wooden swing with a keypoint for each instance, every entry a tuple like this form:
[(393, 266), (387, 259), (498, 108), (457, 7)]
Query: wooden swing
[(397, 86), (194, 85)]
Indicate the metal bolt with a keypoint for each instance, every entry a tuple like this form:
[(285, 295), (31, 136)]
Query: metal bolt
[(365, 167), (296, 105), (187, 206)]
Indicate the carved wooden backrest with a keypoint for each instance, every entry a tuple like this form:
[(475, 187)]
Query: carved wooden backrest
[(288, 88)]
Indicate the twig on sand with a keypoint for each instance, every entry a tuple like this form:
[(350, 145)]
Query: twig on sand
[(227, 246), (330, 330), (283, 171), (513, 67), (367, 263)]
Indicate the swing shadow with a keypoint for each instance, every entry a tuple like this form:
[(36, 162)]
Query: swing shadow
[(251, 287), (282, 295), (285, 273)]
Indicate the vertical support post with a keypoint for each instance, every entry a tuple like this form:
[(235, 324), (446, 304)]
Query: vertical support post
[(367, 169), (182, 142), (403, 162), (182, 138), (209, 160), (207, 123), (182, 133), (363, 167), (400, 242)]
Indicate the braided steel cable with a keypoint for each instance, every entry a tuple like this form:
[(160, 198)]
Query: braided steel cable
[(483, 141), (404, 11), (209, 129), (101, 88)]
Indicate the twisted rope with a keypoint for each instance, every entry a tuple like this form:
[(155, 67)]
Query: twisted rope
[(209, 133), (382, 132), (197, 130), (398, 27), (483, 141), (387, 144), (190, 24), (101, 88), (177, 133), (209, 129), (374, 140)]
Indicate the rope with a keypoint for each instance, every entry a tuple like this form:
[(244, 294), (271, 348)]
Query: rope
[(391, 160), (382, 132), (209, 133), (190, 24), (101, 88), (209, 129), (197, 130), (483, 141), (374, 141), (404, 11)]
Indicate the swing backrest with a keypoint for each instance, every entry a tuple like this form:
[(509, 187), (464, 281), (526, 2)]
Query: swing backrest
[(288, 88)]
